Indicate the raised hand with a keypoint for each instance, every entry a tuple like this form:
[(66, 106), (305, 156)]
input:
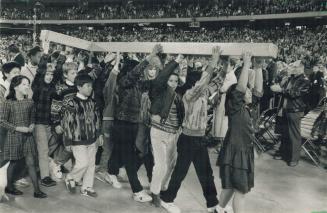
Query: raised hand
[(100, 58), (216, 52), (80, 57), (156, 49), (179, 58), (247, 58)]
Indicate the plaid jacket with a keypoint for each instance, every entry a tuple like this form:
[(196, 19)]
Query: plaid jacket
[(42, 97)]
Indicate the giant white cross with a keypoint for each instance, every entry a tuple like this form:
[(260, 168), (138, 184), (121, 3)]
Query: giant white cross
[(189, 48)]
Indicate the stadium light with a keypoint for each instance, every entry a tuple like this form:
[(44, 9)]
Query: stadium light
[(36, 8)]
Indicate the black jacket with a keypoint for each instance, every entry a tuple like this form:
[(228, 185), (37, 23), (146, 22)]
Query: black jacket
[(129, 93), (162, 96), (296, 95)]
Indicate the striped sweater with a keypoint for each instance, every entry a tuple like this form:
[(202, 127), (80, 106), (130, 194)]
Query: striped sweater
[(171, 125)]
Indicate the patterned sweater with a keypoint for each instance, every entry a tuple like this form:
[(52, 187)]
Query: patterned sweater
[(81, 122), (64, 93)]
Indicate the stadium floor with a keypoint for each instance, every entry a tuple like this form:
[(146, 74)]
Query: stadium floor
[(278, 189)]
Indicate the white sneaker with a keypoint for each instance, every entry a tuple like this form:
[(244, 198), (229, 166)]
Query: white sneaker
[(142, 197), (216, 209), (170, 207), (110, 179), (89, 192), (55, 170), (122, 176), (23, 182), (228, 209)]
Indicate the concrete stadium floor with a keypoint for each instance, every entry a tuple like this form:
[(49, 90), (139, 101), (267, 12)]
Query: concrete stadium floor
[(278, 189)]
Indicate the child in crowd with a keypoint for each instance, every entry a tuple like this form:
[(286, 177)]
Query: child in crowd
[(167, 112), (43, 91), (9, 71), (190, 145), (126, 119), (81, 124), (109, 93), (64, 92), (17, 115), (30, 69), (236, 158)]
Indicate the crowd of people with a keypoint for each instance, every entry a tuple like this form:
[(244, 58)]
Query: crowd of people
[(65, 105), (62, 108), (172, 9)]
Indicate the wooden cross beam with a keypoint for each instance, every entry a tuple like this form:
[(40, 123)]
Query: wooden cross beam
[(189, 48)]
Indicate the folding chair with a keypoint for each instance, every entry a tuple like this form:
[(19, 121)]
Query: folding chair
[(265, 125), (307, 123)]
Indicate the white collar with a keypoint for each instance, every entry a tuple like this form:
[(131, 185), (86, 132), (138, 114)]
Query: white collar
[(81, 96), (15, 56), (31, 65), (69, 83)]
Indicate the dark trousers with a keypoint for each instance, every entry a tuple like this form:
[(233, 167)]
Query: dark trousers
[(146, 160), (124, 152), (192, 150), (291, 141), (98, 156), (58, 151), (15, 168)]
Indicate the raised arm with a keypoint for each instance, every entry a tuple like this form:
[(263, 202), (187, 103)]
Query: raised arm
[(218, 82), (109, 91), (134, 75), (199, 86), (160, 83), (244, 77), (258, 84)]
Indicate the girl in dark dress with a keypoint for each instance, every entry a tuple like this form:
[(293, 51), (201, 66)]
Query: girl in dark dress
[(17, 115), (236, 159)]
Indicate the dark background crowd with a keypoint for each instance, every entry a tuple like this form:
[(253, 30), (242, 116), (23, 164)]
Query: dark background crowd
[(160, 9)]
